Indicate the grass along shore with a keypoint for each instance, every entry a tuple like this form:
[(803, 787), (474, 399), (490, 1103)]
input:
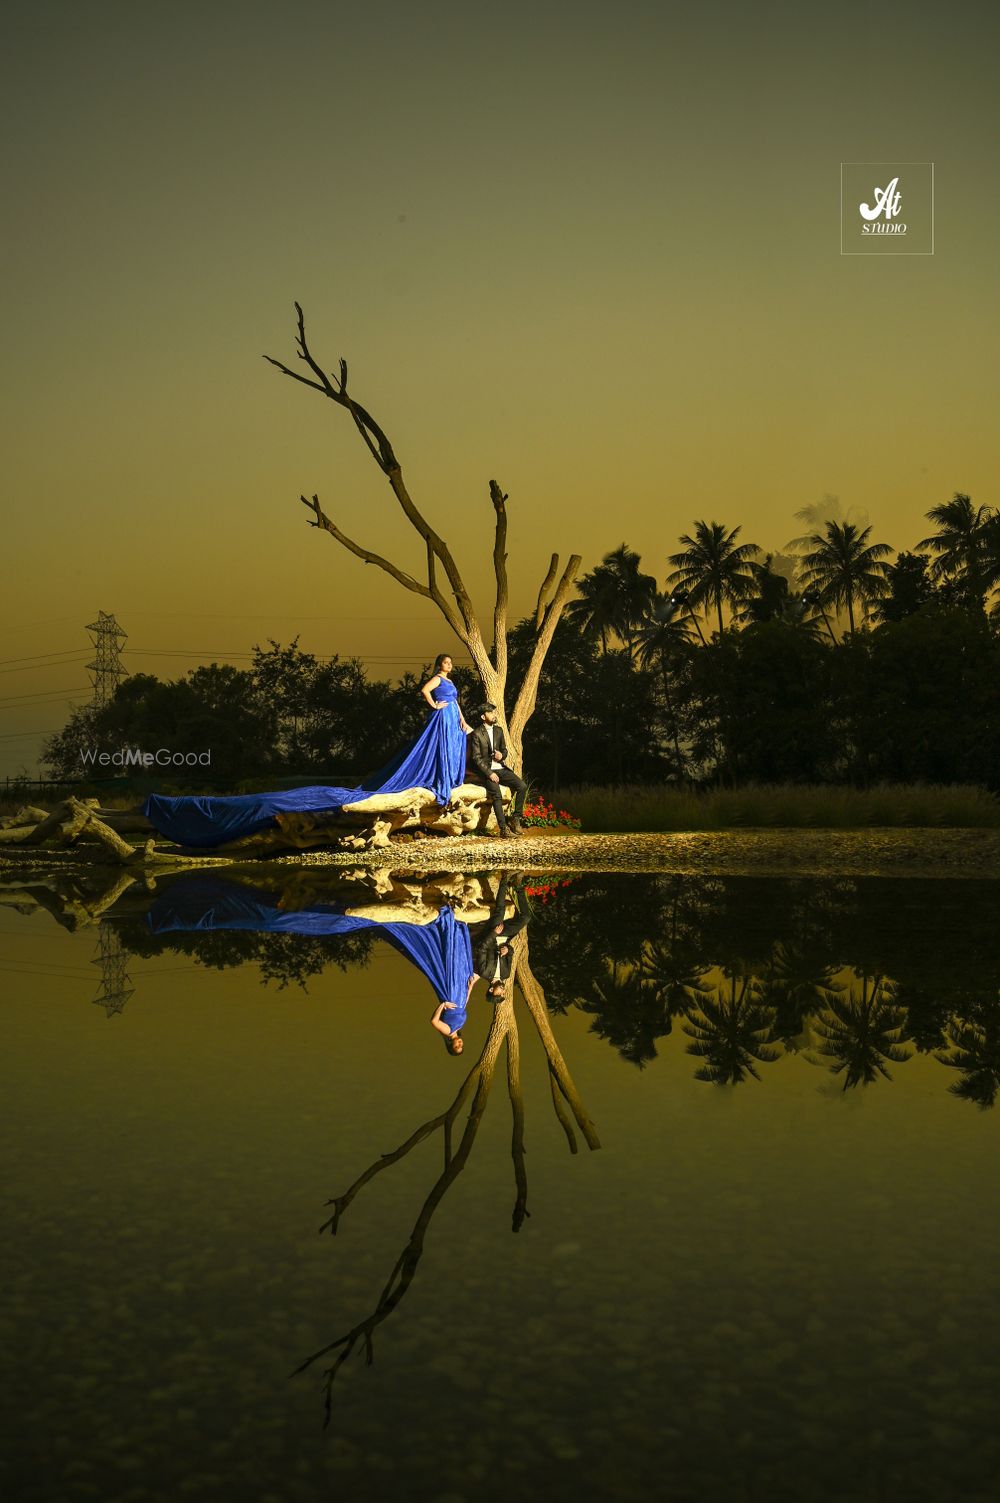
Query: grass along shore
[(630, 810)]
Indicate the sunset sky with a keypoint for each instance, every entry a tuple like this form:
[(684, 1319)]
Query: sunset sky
[(590, 251)]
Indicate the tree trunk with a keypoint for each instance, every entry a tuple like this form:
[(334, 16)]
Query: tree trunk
[(453, 602)]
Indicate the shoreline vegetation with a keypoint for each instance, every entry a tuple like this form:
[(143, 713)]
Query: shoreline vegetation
[(652, 810)]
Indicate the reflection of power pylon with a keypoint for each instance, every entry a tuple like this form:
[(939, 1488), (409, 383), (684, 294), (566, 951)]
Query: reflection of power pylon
[(115, 991), (107, 669)]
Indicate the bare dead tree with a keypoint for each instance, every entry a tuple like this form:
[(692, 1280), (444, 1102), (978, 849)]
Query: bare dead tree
[(450, 595), (504, 1029)]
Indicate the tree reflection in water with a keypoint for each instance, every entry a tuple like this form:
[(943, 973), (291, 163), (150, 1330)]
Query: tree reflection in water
[(974, 1050), (569, 1108), (861, 1032), (732, 1031), (852, 973)]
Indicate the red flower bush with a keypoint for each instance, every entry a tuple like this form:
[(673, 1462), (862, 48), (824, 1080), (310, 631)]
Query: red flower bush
[(541, 814)]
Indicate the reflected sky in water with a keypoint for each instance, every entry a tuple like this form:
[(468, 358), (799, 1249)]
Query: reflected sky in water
[(770, 1248)]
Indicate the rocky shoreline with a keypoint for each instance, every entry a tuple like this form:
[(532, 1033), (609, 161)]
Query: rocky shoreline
[(923, 853)]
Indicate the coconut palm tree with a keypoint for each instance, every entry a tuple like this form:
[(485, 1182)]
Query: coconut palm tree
[(613, 598), (732, 1033), (843, 567), (627, 1011), (713, 568), (991, 557), (797, 982), (961, 544), (660, 639), (675, 975), (593, 610), (773, 599), (861, 1032), (974, 1049)]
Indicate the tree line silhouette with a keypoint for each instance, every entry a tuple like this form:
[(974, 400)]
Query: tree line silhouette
[(855, 975), (830, 663)]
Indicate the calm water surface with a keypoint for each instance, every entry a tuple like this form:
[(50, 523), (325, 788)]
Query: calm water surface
[(773, 1279)]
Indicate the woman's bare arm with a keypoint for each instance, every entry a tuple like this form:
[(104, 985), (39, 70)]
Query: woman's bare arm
[(438, 1022), (427, 690)]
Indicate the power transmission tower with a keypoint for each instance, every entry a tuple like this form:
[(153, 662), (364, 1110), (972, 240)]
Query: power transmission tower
[(107, 670), (114, 991)]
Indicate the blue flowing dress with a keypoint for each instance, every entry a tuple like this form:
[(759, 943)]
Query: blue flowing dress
[(205, 901), (435, 760)]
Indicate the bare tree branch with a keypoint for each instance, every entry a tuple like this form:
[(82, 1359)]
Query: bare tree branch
[(528, 694), (517, 1128), (562, 1115), (406, 1264), (445, 1121), (499, 500), (544, 589), (458, 610), (535, 1001)]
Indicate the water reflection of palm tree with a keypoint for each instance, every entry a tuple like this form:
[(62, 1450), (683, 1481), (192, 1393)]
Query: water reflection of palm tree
[(974, 1049), (796, 983), (569, 1110), (732, 1030), (861, 1032), (675, 976), (628, 1013)]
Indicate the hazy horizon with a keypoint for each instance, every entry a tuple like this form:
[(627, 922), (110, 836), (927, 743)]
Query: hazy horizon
[(596, 258)]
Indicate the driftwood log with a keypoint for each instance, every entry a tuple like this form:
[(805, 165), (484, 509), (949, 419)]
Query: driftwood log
[(370, 824), (88, 896)]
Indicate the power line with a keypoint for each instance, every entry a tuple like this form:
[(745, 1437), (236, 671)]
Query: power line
[(259, 616), (67, 654), (42, 730), (41, 694)]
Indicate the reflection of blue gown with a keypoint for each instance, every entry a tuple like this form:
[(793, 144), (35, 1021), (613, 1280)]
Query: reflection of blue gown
[(442, 950), (435, 760)]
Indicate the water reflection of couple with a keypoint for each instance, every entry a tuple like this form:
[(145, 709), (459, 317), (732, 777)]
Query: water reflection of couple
[(450, 954), (491, 955), (436, 760)]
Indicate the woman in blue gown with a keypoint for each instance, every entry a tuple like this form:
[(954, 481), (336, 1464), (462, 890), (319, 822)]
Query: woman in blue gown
[(441, 950), (435, 760)]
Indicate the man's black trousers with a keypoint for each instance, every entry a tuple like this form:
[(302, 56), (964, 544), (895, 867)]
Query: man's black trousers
[(511, 780)]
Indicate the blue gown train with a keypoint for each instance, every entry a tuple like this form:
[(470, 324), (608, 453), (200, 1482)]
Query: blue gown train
[(435, 760)]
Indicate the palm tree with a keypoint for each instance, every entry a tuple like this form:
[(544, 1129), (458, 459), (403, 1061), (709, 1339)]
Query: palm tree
[(713, 568), (660, 639), (676, 977), (991, 557), (613, 598), (843, 567), (861, 1032), (593, 610), (961, 543), (627, 1011), (774, 600), (796, 983), (974, 1049), (731, 1032)]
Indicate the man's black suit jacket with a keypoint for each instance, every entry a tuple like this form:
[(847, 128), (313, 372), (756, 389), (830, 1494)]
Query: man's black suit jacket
[(479, 749), (484, 936)]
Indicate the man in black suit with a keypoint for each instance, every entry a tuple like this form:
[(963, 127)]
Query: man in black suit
[(488, 755), (492, 954)]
